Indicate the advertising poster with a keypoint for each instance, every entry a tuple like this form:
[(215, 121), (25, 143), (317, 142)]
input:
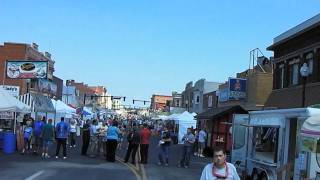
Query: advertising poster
[(46, 86), (26, 69), (237, 88)]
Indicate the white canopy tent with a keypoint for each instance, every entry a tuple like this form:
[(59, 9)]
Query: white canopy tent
[(311, 127), (185, 120), (9, 103), (62, 110)]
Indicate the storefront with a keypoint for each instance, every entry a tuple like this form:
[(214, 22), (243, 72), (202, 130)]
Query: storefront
[(215, 122)]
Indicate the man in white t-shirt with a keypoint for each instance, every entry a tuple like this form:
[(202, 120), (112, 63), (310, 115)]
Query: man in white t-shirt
[(219, 169)]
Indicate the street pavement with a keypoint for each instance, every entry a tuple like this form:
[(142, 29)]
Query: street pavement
[(31, 167)]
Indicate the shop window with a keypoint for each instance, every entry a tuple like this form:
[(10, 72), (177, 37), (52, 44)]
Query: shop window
[(294, 71), (177, 103), (309, 59), (266, 143), (281, 76), (210, 101)]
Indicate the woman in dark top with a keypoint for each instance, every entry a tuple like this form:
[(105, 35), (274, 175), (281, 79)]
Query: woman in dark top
[(134, 141), (85, 138)]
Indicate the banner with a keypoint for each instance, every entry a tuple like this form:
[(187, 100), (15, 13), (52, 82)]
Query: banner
[(237, 88), (223, 95), (12, 90), (46, 86), (26, 69), (6, 115)]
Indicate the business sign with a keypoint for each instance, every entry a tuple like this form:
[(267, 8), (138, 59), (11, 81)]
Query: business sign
[(26, 69), (46, 86), (237, 88), (223, 95), (6, 115), (12, 90)]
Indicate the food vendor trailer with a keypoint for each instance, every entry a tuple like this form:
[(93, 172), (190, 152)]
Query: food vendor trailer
[(268, 144)]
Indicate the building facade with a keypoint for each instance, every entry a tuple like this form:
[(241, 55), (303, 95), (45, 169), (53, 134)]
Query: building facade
[(27, 52), (159, 102), (85, 95), (192, 96), (292, 49)]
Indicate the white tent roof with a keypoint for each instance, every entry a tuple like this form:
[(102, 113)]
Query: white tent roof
[(10, 103), (61, 107), (311, 127), (185, 117), (171, 117)]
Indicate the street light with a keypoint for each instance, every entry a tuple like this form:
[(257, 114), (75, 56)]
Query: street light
[(304, 72)]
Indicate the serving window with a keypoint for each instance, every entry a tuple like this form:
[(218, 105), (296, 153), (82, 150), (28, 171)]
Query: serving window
[(266, 143)]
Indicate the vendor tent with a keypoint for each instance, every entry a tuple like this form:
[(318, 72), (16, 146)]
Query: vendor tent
[(12, 104), (61, 107), (171, 117), (185, 120), (311, 127)]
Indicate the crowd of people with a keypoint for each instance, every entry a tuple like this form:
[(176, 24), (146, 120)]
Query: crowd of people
[(106, 137)]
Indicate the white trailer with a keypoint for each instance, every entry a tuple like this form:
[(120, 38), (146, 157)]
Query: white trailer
[(268, 144)]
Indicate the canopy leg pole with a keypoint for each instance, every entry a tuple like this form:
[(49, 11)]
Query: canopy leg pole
[(14, 123)]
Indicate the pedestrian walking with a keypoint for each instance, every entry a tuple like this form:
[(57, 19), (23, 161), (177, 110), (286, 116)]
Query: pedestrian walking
[(145, 135), (62, 132), (133, 145), (164, 145), (188, 140), (37, 135), (47, 135), (85, 138), (27, 137), (202, 142), (112, 136), (73, 133), (219, 169), (94, 132)]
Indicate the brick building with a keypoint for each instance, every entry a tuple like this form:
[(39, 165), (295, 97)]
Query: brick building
[(82, 90), (292, 49), (104, 102), (257, 83), (159, 102), (24, 52)]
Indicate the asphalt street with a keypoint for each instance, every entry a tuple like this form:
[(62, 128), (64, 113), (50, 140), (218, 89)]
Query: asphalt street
[(31, 167)]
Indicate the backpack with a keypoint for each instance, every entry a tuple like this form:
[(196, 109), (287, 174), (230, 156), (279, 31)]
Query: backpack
[(27, 132), (37, 128)]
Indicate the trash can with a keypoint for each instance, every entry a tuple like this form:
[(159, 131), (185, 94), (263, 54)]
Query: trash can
[(9, 142)]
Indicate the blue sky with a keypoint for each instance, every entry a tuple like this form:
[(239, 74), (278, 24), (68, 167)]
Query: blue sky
[(137, 48)]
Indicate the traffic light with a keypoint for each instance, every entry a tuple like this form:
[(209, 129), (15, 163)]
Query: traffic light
[(124, 98), (144, 102), (132, 101)]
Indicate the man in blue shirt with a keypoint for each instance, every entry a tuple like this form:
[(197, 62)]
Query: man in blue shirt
[(62, 133), (37, 129)]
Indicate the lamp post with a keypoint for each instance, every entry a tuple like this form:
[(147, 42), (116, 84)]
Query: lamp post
[(304, 72)]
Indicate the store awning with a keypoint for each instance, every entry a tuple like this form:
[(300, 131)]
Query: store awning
[(220, 111)]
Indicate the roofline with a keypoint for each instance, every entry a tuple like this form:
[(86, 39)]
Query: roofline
[(295, 31)]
